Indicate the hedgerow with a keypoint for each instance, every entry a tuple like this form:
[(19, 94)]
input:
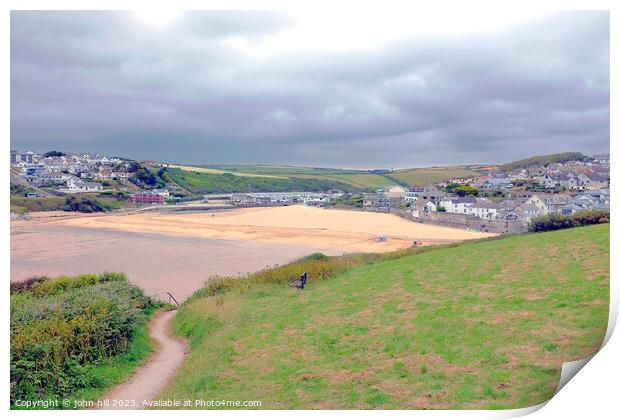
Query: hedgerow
[(556, 221)]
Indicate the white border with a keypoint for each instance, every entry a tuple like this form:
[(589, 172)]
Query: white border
[(593, 393)]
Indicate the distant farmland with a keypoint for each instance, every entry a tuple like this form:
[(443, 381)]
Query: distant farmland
[(201, 178), (358, 180), (220, 171), (425, 176)]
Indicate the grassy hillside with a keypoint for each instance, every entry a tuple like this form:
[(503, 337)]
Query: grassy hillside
[(220, 171), (359, 180), (480, 325), (203, 183), (353, 179), (426, 176), (74, 337), (542, 160), (100, 202)]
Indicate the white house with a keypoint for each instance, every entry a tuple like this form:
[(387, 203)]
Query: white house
[(75, 185), (457, 204), (485, 210), (163, 192)]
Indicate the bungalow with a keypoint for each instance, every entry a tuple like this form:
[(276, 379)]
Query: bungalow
[(75, 185)]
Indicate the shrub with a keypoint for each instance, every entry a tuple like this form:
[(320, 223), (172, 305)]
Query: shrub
[(22, 286), (83, 204), (556, 221), (62, 328)]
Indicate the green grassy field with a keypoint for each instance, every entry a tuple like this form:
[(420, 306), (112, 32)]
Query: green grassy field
[(426, 176), (356, 179), (220, 171), (480, 325), (360, 180), (202, 183)]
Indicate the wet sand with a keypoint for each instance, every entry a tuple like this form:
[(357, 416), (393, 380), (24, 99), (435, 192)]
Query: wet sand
[(157, 263), (177, 252)]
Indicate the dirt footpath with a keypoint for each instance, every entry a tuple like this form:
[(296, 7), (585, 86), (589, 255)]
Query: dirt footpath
[(151, 378)]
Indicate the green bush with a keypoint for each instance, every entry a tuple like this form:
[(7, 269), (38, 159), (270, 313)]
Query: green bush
[(556, 221), (83, 204), (62, 328)]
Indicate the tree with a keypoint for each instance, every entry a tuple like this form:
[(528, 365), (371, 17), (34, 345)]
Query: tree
[(133, 166), (464, 190), (82, 204), (451, 187), (53, 153)]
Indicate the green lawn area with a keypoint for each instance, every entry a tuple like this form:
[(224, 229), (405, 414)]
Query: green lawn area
[(481, 325), (425, 176)]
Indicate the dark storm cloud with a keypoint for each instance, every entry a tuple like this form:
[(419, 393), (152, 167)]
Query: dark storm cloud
[(100, 82)]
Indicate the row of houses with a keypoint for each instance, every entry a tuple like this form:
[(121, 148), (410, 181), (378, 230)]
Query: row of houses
[(570, 176), (422, 201), (40, 169), (279, 198)]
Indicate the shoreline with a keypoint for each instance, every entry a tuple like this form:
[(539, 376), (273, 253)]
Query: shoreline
[(338, 229), (178, 252)]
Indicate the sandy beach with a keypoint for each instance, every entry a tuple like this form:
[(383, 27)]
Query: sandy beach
[(177, 252), (339, 230)]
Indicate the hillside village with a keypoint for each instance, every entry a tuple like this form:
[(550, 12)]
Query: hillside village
[(73, 173), (501, 201)]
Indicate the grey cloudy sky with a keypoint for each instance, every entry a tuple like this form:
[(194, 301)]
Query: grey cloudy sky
[(262, 87)]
